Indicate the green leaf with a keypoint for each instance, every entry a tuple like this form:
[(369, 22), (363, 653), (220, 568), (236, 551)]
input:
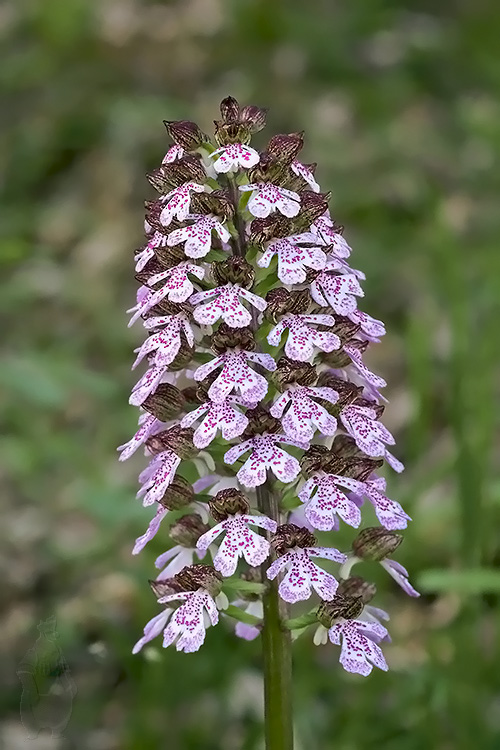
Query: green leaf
[(471, 581), (299, 623), (237, 614), (239, 584)]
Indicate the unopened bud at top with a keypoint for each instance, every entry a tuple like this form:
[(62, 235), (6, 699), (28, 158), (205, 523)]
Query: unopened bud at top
[(238, 123), (227, 503), (376, 543), (289, 535)]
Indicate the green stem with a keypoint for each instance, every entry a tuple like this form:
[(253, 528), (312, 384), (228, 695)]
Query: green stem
[(277, 651), (276, 639)]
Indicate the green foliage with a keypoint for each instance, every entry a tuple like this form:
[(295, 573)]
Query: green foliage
[(400, 103)]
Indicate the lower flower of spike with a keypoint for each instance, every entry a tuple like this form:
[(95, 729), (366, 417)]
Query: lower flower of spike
[(266, 454), (329, 289), (327, 235), (325, 502), (197, 237), (187, 625), (148, 424), (293, 260), (239, 541), (237, 375), (389, 512), (302, 574), (178, 202), (359, 645), (233, 156), (302, 339), (223, 416), (167, 341), (303, 415), (267, 197), (244, 630), (157, 476), (224, 302), (370, 434)]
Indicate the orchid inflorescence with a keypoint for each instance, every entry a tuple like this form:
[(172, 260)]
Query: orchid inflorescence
[(256, 389)]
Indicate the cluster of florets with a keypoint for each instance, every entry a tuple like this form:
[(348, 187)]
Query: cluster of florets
[(255, 378)]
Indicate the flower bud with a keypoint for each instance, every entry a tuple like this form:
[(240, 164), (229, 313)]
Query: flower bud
[(187, 530), (192, 395), (272, 227), (186, 134), (260, 421), (281, 301), (313, 205), (270, 169), (199, 576), (165, 402), (233, 270), (356, 587), (340, 607), (227, 503), (348, 392), (183, 356), (175, 174), (286, 146), (321, 458), (178, 495), (152, 267), (289, 535), (345, 329), (218, 203), (377, 408), (376, 543), (165, 257), (345, 447), (290, 371), (361, 468), (237, 125), (229, 109), (254, 117), (166, 587), (177, 439), (228, 338)]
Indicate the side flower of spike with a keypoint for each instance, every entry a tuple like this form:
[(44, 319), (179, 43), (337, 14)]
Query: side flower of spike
[(254, 382)]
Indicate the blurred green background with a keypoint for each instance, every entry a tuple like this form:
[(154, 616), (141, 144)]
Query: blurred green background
[(400, 103)]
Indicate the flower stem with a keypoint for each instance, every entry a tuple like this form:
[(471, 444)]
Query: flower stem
[(277, 651), (276, 639)]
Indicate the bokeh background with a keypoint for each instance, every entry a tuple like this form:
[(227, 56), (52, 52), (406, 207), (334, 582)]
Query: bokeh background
[(400, 103)]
